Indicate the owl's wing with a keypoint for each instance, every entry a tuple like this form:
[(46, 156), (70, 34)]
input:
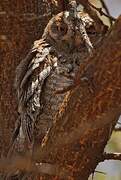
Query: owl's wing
[(32, 61), (31, 74)]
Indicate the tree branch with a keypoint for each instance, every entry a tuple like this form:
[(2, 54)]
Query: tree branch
[(25, 164), (101, 12), (107, 11), (111, 156), (117, 129)]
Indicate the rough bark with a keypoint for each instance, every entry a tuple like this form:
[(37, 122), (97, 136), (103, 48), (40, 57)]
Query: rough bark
[(21, 23), (83, 126)]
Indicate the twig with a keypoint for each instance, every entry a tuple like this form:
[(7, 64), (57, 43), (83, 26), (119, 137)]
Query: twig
[(100, 172), (101, 12), (97, 172), (111, 156), (117, 129), (105, 7), (107, 11)]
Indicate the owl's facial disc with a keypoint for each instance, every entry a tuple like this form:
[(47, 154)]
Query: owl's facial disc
[(60, 29), (63, 29)]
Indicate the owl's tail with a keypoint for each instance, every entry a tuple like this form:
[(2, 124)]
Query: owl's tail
[(14, 137), (17, 152)]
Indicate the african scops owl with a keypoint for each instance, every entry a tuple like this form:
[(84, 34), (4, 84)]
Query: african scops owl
[(46, 70)]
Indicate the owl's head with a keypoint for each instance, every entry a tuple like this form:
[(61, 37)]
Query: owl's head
[(62, 28)]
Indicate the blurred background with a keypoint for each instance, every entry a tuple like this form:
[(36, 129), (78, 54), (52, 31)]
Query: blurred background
[(111, 170)]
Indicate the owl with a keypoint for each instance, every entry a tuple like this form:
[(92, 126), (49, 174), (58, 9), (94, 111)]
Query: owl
[(46, 70)]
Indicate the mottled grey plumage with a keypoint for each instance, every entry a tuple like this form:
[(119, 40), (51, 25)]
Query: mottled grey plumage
[(47, 69)]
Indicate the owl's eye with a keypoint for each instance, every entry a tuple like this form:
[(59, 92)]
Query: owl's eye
[(63, 29), (91, 30), (60, 29)]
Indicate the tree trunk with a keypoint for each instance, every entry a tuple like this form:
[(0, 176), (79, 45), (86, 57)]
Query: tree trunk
[(21, 23), (76, 142)]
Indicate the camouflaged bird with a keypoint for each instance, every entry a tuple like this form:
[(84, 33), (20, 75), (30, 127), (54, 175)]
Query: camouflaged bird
[(53, 59)]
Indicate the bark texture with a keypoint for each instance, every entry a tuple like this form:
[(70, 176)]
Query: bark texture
[(21, 23), (84, 124)]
